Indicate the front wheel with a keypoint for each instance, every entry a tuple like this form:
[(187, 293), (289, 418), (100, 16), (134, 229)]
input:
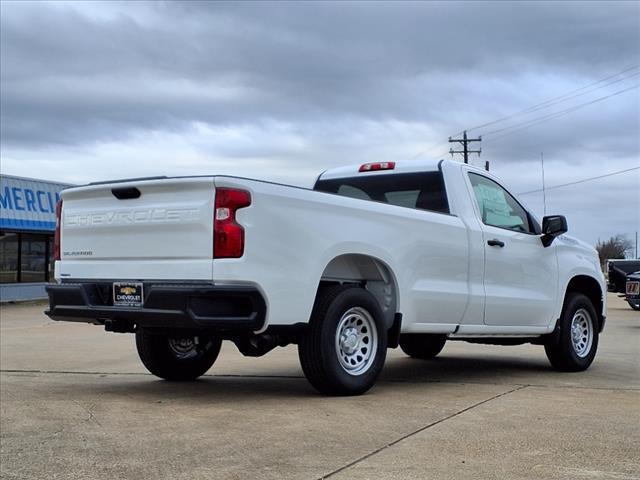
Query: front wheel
[(176, 357), (572, 347), (344, 348)]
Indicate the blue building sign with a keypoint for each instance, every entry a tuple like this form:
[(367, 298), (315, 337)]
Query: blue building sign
[(27, 224), (27, 204)]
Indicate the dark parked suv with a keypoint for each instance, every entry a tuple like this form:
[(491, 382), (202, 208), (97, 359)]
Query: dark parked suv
[(623, 275), (633, 290)]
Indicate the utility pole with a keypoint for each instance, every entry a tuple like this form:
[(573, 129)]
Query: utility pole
[(464, 141)]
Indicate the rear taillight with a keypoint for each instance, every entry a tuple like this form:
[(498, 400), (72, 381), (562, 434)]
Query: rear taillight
[(56, 237), (228, 235)]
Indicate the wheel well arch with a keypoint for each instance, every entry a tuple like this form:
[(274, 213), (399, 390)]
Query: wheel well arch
[(590, 287), (371, 273)]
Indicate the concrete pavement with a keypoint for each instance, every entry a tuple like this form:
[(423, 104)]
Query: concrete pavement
[(75, 402)]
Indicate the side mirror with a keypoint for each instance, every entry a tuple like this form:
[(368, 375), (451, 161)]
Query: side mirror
[(553, 226)]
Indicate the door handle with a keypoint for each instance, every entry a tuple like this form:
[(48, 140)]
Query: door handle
[(495, 243)]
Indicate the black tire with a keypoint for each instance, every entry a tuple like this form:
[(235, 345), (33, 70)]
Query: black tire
[(422, 346), (635, 304), (319, 345), (164, 357), (559, 346)]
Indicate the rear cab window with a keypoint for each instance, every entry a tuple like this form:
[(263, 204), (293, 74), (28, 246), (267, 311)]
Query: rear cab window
[(423, 191)]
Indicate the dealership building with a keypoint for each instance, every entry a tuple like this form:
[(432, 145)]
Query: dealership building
[(27, 226)]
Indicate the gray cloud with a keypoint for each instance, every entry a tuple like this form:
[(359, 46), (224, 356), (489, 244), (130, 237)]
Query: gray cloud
[(162, 65), (298, 87)]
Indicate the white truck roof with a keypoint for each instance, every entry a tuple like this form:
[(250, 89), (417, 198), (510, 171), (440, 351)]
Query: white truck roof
[(404, 166)]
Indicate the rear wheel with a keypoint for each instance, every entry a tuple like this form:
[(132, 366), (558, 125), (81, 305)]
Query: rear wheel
[(422, 346), (344, 348), (572, 347), (176, 357)]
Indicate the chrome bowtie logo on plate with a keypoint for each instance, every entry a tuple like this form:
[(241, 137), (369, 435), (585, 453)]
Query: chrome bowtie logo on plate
[(128, 294)]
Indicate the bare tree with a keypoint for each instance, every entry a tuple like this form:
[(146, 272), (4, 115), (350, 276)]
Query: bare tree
[(615, 247)]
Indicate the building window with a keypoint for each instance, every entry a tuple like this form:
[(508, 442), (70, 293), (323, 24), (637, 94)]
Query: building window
[(33, 259), (25, 257), (9, 246)]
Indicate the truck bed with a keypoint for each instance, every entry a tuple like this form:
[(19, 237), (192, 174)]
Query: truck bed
[(291, 235)]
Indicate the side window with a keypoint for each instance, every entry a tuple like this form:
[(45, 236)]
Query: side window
[(497, 207)]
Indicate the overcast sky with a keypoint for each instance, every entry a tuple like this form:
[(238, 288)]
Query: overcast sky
[(281, 91)]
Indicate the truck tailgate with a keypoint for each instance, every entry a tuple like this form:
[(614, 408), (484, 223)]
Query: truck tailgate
[(157, 229)]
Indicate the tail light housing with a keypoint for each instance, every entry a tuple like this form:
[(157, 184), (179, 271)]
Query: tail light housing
[(375, 167), (56, 237), (228, 235)]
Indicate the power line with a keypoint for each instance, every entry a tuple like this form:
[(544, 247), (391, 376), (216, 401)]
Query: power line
[(431, 149), (546, 104), (561, 98), (530, 123), (581, 181), (562, 112)]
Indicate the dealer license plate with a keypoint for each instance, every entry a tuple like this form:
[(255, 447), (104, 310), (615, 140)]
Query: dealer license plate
[(128, 294), (633, 288)]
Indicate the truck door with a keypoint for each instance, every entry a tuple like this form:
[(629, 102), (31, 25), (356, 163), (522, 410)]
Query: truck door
[(520, 274)]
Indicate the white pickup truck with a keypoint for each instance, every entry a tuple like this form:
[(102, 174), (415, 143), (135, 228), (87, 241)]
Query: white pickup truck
[(375, 256)]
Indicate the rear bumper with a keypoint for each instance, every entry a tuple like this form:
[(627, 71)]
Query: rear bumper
[(190, 306)]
